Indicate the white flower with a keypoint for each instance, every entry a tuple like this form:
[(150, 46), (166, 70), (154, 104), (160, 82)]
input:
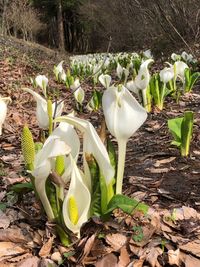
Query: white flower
[(42, 82), (175, 57), (52, 148), (166, 74), (148, 53), (3, 110), (92, 144), (41, 109), (105, 80), (76, 204), (143, 77), (58, 69), (75, 85), (123, 116), (79, 95)]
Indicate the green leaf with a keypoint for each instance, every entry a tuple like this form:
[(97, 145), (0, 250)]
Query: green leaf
[(174, 126), (128, 205), (154, 89), (53, 199), (186, 132), (3, 206), (175, 143), (22, 187), (112, 155), (138, 236), (95, 190), (195, 76)]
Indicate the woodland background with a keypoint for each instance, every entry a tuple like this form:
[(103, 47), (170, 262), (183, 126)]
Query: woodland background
[(82, 26)]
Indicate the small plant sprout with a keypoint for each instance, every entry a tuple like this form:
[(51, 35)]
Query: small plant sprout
[(3, 110), (181, 129), (59, 72), (123, 115), (190, 80), (158, 86)]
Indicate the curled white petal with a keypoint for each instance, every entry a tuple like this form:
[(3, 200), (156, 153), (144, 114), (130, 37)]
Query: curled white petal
[(123, 114), (166, 74), (92, 144), (41, 109), (79, 191), (143, 77), (105, 80), (52, 148)]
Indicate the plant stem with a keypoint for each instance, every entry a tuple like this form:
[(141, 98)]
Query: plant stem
[(121, 164)]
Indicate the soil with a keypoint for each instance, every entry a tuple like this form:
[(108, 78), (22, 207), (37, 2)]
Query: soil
[(155, 172)]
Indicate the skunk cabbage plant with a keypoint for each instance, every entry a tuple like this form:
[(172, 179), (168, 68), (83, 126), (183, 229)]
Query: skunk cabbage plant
[(123, 115), (42, 82), (141, 82), (76, 205), (181, 129), (43, 166)]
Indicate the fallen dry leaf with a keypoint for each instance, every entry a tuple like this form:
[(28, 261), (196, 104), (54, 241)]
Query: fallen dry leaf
[(56, 256), (10, 249), (189, 260), (174, 257), (152, 256), (192, 247), (116, 241), (137, 263), (29, 262), (15, 235), (109, 260), (163, 161), (4, 220), (46, 248), (88, 246), (124, 258)]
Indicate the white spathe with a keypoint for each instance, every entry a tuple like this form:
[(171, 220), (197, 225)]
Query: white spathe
[(79, 95), (41, 109), (52, 148), (58, 69), (79, 191), (105, 80), (75, 85), (180, 67), (67, 134), (42, 82), (92, 144), (3, 110), (123, 114), (143, 77), (166, 74)]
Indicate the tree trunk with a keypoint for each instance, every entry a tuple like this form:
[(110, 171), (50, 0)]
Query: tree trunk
[(4, 28), (61, 36)]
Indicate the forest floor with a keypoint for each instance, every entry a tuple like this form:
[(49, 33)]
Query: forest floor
[(155, 174)]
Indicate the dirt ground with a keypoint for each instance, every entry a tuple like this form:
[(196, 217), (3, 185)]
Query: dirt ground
[(155, 173)]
